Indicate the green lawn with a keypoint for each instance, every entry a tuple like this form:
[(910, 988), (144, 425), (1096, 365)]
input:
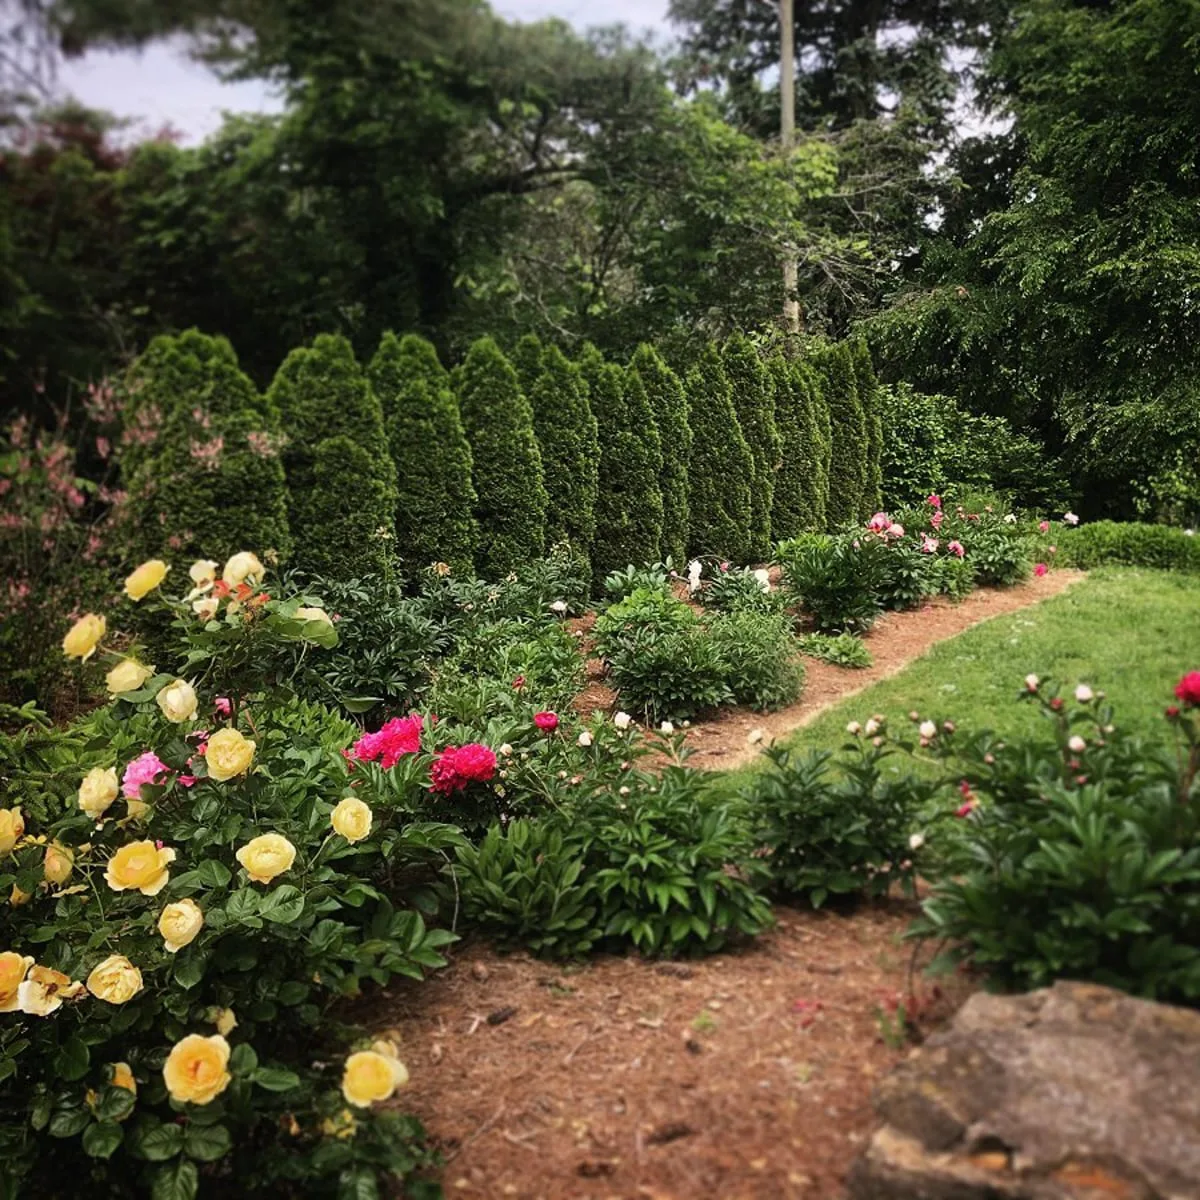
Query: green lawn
[(1128, 632)]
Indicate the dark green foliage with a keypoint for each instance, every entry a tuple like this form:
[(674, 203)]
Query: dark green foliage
[(836, 579), (824, 425), (669, 404), (200, 454), (435, 496), (752, 387), (568, 436), (740, 590), (507, 465), (629, 507), (868, 395), (842, 650), (760, 656), (1130, 545), (800, 485), (849, 438), (526, 359), (721, 469), (344, 514)]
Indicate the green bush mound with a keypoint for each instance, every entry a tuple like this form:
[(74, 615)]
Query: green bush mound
[(1129, 544)]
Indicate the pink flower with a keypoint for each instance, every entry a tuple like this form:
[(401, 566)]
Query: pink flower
[(879, 522), (518, 683), (223, 705), (546, 721), (894, 530), (724, 566), (398, 737), (186, 781), (144, 769), (1043, 526), (456, 766), (937, 519), (1040, 569), (934, 501), (956, 548), (1188, 690), (929, 544)]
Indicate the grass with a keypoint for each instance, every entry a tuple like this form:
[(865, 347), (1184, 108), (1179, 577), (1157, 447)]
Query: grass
[(1128, 632)]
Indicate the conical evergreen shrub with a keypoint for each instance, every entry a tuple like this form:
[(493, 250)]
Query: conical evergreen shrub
[(569, 440), (629, 509), (669, 404), (527, 361), (868, 395), (799, 502), (721, 469), (848, 453), (435, 519), (814, 385), (323, 396), (200, 455), (510, 489), (753, 390)]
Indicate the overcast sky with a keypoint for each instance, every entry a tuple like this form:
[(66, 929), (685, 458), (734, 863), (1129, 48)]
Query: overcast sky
[(162, 86)]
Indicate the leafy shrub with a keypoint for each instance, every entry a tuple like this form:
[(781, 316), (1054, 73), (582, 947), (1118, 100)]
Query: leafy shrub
[(622, 583), (850, 445), (998, 555), (1129, 544), (904, 576), (645, 608), (1076, 856), (843, 650), (753, 389), (670, 675), (760, 657), (950, 576), (837, 580), (800, 484), (741, 591), (868, 395)]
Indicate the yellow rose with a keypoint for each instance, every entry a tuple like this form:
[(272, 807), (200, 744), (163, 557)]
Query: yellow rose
[(203, 572), (18, 898), (136, 809), (225, 1021), (228, 754), (313, 614), (177, 701), (196, 1069), (84, 636), (116, 980), (58, 863), (122, 1077), (206, 609), (140, 865), (352, 819), (179, 923), (98, 790), (44, 990), (343, 1126), (13, 969), (266, 856), (145, 579), (373, 1075), (127, 676), (12, 826), (243, 567)]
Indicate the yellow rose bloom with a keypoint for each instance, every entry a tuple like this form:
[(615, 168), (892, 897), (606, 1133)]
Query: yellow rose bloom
[(225, 1021), (177, 701), (84, 636), (266, 856), (98, 790), (44, 990), (313, 614), (116, 980), (179, 923), (12, 827), (196, 1069), (127, 676), (141, 866), (228, 754), (58, 864), (243, 567), (145, 579), (122, 1077), (373, 1075), (206, 608), (352, 819), (13, 969), (343, 1126), (203, 572), (18, 898)]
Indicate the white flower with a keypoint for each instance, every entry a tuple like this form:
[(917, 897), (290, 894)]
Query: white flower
[(916, 841), (1077, 745), (1031, 682), (1011, 519), (622, 720), (585, 738), (666, 727), (763, 578), (854, 727), (871, 728), (623, 791), (206, 609), (1189, 533), (506, 749), (755, 736), (693, 571), (1084, 694), (559, 606), (927, 729), (1070, 519)]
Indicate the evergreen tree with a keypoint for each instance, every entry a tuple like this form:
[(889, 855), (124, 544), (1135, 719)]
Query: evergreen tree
[(669, 404), (629, 508), (848, 452), (323, 396), (753, 388), (200, 455), (569, 440), (510, 490), (868, 394), (527, 361), (798, 503), (814, 386), (435, 519), (721, 469)]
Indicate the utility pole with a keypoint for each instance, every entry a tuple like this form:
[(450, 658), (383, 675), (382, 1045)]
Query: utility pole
[(787, 134)]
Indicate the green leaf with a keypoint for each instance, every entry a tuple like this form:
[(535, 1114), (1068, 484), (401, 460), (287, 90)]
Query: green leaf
[(101, 1139), (358, 1183), (179, 1181), (242, 905), (243, 1060), (189, 969), (114, 1104), (73, 1058), (283, 905), (207, 1143), (67, 1122), (159, 1143), (213, 874), (274, 1079)]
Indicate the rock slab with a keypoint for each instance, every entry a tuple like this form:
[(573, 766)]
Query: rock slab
[(1076, 1092)]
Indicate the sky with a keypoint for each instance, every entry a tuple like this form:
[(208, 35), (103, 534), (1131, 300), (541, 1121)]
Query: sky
[(161, 86)]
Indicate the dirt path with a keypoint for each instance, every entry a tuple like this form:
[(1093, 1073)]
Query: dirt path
[(742, 1076), (896, 639)]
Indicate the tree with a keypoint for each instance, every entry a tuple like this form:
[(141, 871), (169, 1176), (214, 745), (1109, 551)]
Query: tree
[(753, 390), (527, 361), (868, 394), (629, 507), (669, 405), (200, 454), (814, 385), (326, 403), (435, 507), (848, 450), (569, 439), (799, 501), (721, 469), (510, 489)]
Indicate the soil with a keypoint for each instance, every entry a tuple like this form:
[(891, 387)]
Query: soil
[(744, 1076)]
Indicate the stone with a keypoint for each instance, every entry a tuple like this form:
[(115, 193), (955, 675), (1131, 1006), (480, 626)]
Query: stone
[(1075, 1092)]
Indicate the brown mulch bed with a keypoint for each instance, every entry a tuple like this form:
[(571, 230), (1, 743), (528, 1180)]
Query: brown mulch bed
[(744, 1075)]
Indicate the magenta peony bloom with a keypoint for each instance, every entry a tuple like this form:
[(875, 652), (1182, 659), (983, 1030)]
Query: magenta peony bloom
[(934, 501), (400, 736), (957, 548), (223, 705), (1043, 526), (144, 769), (456, 766), (1039, 570), (929, 544), (937, 519), (546, 721), (1188, 689), (879, 522)]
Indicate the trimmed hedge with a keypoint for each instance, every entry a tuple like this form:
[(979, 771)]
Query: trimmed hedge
[(1129, 544), (510, 489), (849, 443), (868, 395), (434, 518), (526, 359), (799, 500)]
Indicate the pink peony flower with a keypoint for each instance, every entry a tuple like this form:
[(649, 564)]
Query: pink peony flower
[(937, 519), (456, 766), (1043, 527), (934, 501), (1040, 569), (223, 705), (144, 769), (518, 683), (398, 737), (956, 548), (1188, 690), (186, 781), (895, 530), (546, 721), (929, 544), (879, 522)]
